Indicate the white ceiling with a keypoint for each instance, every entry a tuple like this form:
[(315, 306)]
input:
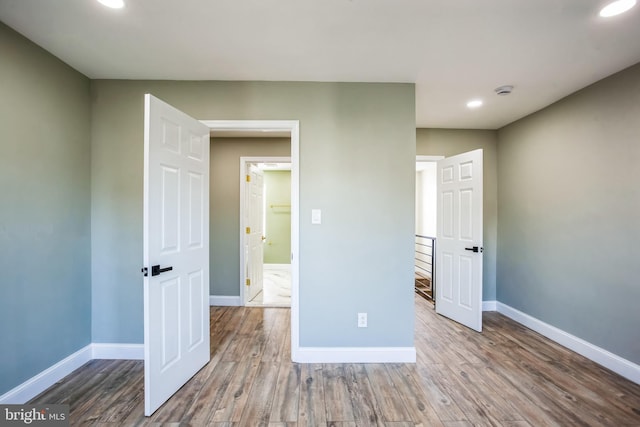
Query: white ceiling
[(452, 50)]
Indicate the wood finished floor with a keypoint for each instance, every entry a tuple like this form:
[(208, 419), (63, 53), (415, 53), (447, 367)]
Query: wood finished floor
[(507, 376)]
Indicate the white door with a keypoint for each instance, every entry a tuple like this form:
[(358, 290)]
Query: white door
[(459, 239), (254, 241), (176, 250)]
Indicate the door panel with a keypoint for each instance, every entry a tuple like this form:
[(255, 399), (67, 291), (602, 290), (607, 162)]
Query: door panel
[(458, 269), (197, 289), (176, 235), (196, 209), (255, 239)]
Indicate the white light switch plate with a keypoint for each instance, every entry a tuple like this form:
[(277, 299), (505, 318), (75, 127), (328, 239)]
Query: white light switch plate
[(316, 216)]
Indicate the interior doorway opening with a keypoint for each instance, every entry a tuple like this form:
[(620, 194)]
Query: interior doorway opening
[(425, 226), (291, 128), (265, 212)]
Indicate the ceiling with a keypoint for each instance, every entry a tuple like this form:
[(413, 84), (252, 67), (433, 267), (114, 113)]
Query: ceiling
[(452, 50)]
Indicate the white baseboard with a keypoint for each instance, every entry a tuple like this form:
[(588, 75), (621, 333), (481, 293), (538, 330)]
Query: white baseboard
[(489, 305), (45, 379), (617, 364), (117, 351), (225, 301), (354, 355)]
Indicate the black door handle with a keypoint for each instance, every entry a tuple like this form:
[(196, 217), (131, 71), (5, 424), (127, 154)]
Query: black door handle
[(156, 270), (474, 249)]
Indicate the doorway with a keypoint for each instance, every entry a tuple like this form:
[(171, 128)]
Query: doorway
[(456, 256), (425, 227), (265, 238), (292, 128)]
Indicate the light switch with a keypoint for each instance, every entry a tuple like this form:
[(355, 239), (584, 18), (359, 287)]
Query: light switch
[(316, 216)]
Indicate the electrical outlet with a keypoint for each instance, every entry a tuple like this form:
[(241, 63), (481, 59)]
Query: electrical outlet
[(362, 320)]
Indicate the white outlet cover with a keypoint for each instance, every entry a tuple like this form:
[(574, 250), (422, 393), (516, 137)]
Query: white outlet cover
[(362, 320)]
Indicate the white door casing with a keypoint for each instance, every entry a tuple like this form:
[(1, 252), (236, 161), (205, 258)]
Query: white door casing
[(255, 233), (176, 235), (293, 127), (245, 167), (459, 231)]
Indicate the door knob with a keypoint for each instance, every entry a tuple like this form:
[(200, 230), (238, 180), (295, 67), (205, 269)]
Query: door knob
[(474, 249), (156, 270)]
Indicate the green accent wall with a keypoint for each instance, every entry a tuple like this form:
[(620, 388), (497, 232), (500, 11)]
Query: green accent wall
[(277, 247), (45, 301), (224, 203), (569, 214), (363, 251), (449, 142)]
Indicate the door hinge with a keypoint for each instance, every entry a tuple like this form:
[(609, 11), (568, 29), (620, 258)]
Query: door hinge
[(247, 282), (248, 230), (248, 178)]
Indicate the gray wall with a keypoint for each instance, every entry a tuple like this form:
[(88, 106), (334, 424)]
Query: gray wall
[(225, 205), (368, 213), (569, 214), (449, 142), (44, 219)]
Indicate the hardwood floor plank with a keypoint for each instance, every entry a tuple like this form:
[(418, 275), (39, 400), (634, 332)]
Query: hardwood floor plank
[(401, 424), (125, 404), (366, 410), (444, 404), (235, 399), (287, 394), (420, 409), (535, 414), (390, 403), (473, 407), (274, 347), (259, 403), (337, 399), (311, 411), (483, 394), (515, 424), (458, 424), (204, 405)]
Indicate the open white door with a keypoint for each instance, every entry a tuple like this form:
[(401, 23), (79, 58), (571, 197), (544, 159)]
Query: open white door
[(459, 239), (254, 239), (176, 250)]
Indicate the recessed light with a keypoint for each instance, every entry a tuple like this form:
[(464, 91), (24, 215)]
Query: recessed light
[(616, 8), (474, 103), (113, 4)]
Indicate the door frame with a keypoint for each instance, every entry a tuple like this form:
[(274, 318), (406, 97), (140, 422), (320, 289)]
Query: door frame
[(292, 126), (244, 169)]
